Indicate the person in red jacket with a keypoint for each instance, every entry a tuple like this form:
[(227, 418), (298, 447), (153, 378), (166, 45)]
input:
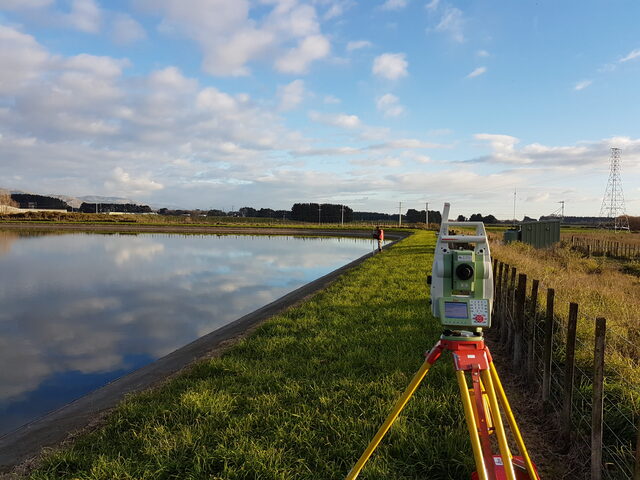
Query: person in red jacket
[(379, 235)]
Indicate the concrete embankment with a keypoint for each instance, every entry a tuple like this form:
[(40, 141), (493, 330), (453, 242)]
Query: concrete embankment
[(56, 427)]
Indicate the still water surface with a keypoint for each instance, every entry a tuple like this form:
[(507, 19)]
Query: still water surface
[(79, 310)]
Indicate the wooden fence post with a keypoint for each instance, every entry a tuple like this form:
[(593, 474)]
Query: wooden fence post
[(532, 326), (494, 269), (497, 295), (598, 399), (567, 408), (511, 304), (546, 355), (504, 305), (518, 343)]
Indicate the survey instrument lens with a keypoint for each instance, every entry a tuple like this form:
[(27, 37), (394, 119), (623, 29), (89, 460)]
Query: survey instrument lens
[(464, 271)]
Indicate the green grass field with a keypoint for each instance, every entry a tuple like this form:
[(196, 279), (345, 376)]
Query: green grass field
[(301, 397)]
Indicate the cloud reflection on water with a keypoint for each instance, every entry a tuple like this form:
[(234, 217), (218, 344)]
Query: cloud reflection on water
[(94, 304)]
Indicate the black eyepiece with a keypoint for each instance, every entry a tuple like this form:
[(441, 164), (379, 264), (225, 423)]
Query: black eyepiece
[(464, 271)]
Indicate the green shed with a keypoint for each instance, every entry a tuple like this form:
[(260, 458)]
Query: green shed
[(540, 234), (511, 235)]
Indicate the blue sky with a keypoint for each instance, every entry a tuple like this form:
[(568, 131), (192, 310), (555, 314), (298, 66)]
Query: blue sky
[(221, 103)]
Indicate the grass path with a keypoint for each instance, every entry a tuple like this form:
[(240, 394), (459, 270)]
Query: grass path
[(301, 397)]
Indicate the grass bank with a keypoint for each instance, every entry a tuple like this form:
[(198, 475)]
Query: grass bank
[(301, 397)]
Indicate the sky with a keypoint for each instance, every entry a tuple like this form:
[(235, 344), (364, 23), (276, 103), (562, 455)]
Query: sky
[(265, 103)]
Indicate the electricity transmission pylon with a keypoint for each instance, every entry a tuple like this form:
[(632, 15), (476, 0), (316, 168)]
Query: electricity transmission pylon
[(612, 212)]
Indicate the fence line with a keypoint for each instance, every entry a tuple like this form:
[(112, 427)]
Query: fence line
[(605, 247), (591, 413)]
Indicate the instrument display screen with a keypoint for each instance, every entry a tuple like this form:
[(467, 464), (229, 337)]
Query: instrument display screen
[(456, 310)]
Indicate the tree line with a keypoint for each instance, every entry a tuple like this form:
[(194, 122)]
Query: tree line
[(29, 200), (478, 217), (114, 207), (321, 213)]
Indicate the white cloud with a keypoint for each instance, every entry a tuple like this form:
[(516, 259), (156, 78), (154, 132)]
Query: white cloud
[(585, 154), (232, 55), (391, 66), (406, 143), (358, 44), (477, 72), (432, 5), (125, 30), (331, 100), (394, 4), (336, 8), (340, 120), (389, 105), (83, 107), (24, 4), (314, 152), (297, 20), (298, 59), (631, 56), (291, 95), (503, 147), (102, 66), (452, 24), (482, 53), (538, 197), (386, 161), (213, 100), (417, 157), (22, 60), (85, 15), (122, 183), (582, 85), (288, 35)]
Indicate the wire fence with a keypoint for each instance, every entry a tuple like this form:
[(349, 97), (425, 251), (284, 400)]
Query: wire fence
[(587, 379)]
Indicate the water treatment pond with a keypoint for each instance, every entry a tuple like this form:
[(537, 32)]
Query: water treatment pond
[(79, 310)]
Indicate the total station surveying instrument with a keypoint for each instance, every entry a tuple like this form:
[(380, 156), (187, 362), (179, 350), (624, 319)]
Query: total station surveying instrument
[(462, 298)]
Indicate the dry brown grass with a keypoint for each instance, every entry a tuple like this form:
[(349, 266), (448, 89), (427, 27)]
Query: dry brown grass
[(607, 235), (601, 289), (5, 199), (596, 284)]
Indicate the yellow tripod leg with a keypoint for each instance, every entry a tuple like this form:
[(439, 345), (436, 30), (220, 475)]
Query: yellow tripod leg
[(497, 423), (512, 422), (471, 425), (397, 408)]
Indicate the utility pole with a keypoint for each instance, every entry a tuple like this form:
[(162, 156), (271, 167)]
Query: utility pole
[(342, 215), (562, 214), (426, 209), (319, 209), (400, 214)]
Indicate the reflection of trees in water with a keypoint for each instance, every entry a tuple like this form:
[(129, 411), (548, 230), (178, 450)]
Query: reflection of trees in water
[(6, 240)]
